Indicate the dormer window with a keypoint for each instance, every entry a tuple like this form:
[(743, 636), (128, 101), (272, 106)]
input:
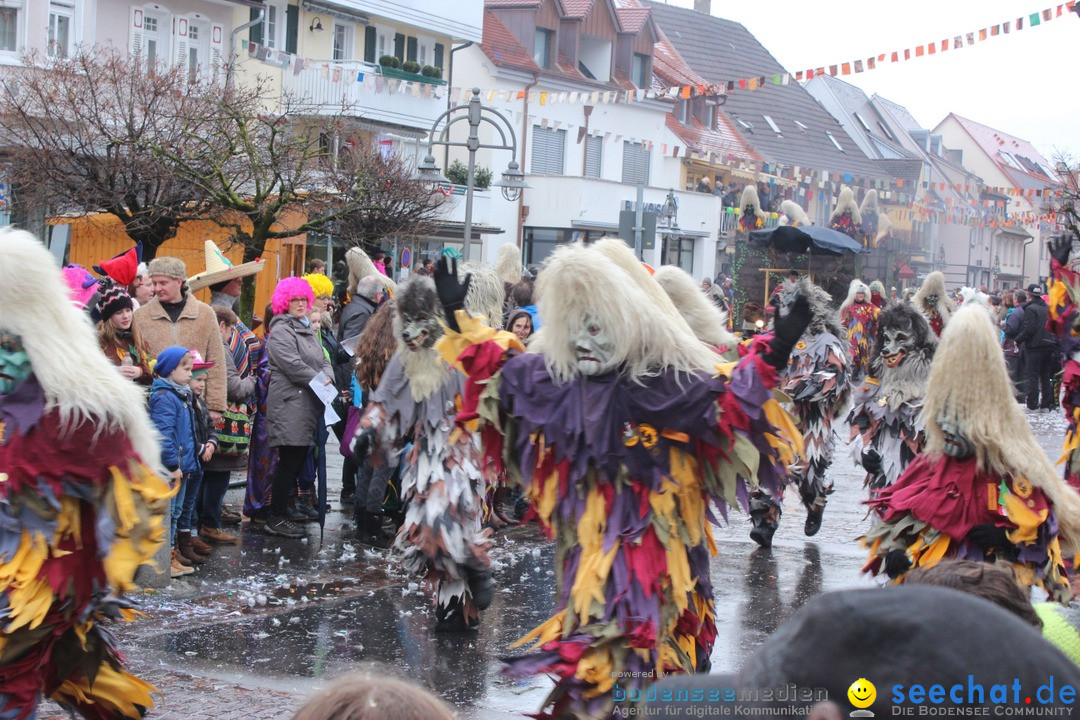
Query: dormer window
[(641, 73), (682, 111), (543, 46)]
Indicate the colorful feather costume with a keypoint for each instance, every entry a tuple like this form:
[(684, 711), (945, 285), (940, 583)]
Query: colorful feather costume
[(1064, 320), (620, 453), (816, 381), (983, 489), (886, 427), (859, 318), (80, 508), (418, 397)]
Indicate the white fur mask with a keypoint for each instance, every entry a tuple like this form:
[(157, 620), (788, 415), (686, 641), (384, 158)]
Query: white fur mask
[(594, 349)]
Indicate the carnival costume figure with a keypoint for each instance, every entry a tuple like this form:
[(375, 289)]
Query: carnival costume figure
[(846, 217), (621, 427), (933, 302), (1064, 321), (751, 217), (983, 488), (444, 475), (886, 426), (859, 317), (81, 501)]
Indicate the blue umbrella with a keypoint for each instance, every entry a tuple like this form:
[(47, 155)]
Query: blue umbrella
[(818, 240)]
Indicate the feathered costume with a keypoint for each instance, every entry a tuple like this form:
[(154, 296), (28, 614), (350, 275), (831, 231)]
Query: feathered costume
[(846, 217), (817, 383), (81, 505), (859, 319), (886, 427), (983, 489), (933, 302), (1064, 321), (419, 395), (751, 217), (621, 428)]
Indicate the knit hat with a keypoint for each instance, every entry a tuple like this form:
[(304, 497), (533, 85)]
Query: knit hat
[(113, 299), (81, 285), (169, 358), (169, 267), (1061, 626)]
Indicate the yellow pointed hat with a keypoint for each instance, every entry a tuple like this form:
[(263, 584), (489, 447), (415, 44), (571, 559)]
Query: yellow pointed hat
[(220, 269)]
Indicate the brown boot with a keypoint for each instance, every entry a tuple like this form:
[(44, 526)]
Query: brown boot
[(176, 569), (180, 558), (200, 547), (216, 535), (183, 546)]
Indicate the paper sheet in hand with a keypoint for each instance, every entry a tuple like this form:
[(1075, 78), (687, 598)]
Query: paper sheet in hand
[(350, 345), (330, 417), (323, 390)]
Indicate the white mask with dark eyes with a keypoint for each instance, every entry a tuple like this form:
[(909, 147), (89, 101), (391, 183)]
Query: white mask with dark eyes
[(956, 444), (594, 349)]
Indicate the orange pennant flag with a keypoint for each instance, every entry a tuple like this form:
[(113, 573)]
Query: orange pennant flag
[(895, 57), (845, 68), (982, 34), (919, 51), (684, 92)]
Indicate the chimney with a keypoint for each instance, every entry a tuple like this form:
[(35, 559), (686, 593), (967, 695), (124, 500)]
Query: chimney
[(703, 6)]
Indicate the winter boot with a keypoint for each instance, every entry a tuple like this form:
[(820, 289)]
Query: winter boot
[(183, 546), (369, 531), (176, 568), (481, 587), (765, 516), (813, 516), (200, 547), (305, 511)]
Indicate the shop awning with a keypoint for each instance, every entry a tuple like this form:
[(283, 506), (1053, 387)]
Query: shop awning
[(904, 271)]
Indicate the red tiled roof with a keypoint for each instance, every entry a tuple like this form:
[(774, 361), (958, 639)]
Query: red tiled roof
[(500, 45), (631, 19), (993, 142), (511, 3), (670, 67), (575, 8), (723, 141)]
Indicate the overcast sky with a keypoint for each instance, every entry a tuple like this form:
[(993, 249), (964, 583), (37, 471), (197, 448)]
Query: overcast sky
[(1025, 83)]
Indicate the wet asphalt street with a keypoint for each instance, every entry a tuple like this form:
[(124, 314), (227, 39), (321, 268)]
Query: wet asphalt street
[(262, 626)]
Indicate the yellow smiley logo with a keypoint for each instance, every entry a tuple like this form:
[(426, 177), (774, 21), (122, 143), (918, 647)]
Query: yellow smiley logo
[(862, 693)]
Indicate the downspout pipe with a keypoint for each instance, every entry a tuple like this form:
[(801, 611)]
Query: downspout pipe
[(450, 94), (230, 68)]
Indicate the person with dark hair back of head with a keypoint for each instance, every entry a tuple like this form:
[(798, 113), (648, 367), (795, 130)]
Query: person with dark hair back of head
[(996, 583), (364, 696), (316, 265)]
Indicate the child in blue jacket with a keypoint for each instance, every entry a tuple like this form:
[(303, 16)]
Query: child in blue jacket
[(172, 413)]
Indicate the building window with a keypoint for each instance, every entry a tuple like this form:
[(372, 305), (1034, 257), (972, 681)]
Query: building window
[(862, 122), (342, 42), (541, 242), (640, 72), (594, 155), (802, 128), (748, 127), (885, 129), (635, 165), (9, 27), (710, 115), (270, 27), (151, 30), (679, 251), (772, 125), (61, 29), (834, 141), (548, 151), (682, 111), (542, 46)]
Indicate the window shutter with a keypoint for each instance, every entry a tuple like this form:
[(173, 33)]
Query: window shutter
[(548, 151), (180, 38), (292, 27), (594, 145), (255, 32), (410, 52), (369, 44), (135, 30), (217, 52), (438, 55), (399, 46), (635, 169)]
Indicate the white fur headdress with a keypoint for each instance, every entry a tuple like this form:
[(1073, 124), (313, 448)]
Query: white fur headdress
[(750, 199), (884, 227), (870, 203), (857, 286), (361, 266), (486, 295), (794, 213), (706, 320), (934, 284), (79, 382), (508, 264), (609, 286), (845, 202), (970, 386)]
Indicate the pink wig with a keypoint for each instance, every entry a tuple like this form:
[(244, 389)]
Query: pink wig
[(287, 289)]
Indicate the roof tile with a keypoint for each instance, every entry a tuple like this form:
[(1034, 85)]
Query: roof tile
[(500, 45), (993, 142), (575, 8)]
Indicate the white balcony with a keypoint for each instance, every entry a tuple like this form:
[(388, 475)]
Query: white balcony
[(360, 90)]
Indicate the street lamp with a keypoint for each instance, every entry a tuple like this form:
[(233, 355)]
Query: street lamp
[(513, 179)]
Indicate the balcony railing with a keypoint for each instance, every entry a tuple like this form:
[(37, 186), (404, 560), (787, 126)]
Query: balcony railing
[(358, 88)]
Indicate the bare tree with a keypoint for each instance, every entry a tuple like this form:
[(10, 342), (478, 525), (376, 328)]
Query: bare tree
[(1067, 205), (79, 137)]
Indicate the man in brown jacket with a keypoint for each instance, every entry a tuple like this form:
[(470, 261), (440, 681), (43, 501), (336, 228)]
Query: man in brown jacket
[(176, 317)]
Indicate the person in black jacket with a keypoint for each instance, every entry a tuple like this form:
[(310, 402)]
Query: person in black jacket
[(1041, 352), (1010, 328)]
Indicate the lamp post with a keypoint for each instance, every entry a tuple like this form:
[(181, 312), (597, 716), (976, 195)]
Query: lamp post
[(513, 180)]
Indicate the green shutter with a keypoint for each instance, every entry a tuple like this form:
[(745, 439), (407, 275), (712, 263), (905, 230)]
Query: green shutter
[(369, 44), (292, 27), (411, 51), (255, 32), (399, 46), (438, 55)]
